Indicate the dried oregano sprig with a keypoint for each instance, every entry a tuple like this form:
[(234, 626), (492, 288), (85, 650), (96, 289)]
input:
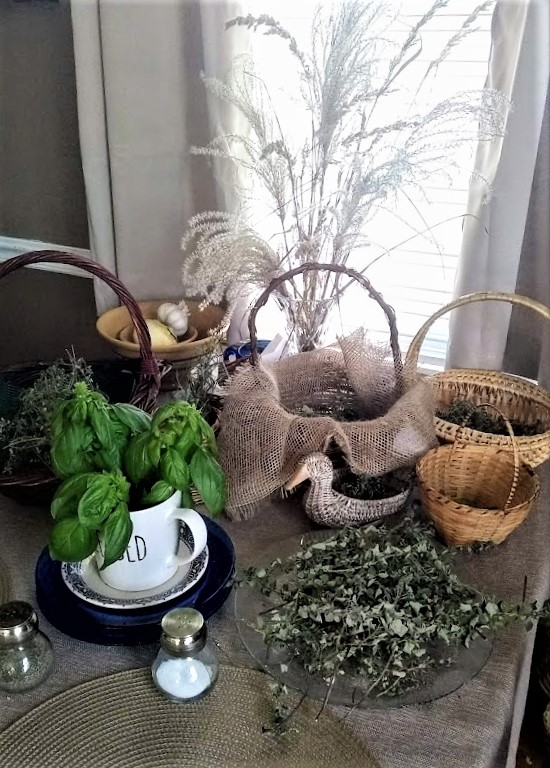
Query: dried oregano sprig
[(375, 603)]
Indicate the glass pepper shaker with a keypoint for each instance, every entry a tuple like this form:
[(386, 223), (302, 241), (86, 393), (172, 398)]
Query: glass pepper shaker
[(186, 666), (26, 655)]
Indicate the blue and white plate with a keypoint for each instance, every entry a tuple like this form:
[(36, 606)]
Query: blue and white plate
[(84, 581)]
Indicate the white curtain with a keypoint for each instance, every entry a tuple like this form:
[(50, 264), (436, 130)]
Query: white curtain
[(141, 106), (493, 240)]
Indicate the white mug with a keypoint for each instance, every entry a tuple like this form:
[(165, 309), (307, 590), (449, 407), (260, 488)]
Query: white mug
[(152, 556)]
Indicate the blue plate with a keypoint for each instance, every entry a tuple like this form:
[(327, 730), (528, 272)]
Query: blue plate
[(106, 626)]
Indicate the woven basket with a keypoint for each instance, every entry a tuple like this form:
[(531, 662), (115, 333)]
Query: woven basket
[(519, 399), (476, 492), (37, 487), (358, 399), (328, 507)]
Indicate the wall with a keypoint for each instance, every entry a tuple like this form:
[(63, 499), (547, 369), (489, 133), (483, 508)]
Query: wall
[(41, 183), (42, 188), (43, 313)]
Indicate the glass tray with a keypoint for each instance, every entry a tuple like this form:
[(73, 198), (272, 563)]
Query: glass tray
[(347, 691)]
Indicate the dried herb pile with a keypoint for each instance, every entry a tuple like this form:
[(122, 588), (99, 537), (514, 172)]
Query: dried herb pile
[(467, 414), (376, 603), (25, 435), (368, 488)]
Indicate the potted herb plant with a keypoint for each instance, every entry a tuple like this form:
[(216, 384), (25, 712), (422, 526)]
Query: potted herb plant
[(115, 461)]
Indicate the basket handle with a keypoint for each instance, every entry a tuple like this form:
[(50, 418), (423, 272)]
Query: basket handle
[(413, 353), (339, 269), (513, 441), (146, 390)]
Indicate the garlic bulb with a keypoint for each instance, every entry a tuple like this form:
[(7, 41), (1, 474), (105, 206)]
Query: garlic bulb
[(161, 336), (175, 317)]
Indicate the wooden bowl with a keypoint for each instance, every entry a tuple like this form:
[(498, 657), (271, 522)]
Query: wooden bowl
[(115, 326)]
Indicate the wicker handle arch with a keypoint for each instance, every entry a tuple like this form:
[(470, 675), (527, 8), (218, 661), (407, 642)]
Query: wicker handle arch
[(338, 269), (413, 353), (146, 391), (515, 449)]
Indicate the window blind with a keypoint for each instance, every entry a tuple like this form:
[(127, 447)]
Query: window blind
[(417, 276)]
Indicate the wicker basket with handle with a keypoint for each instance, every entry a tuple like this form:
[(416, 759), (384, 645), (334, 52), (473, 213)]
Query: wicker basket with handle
[(476, 492), (353, 396), (36, 486), (519, 399)]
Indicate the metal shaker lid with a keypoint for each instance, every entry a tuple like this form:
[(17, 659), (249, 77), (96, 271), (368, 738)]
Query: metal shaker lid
[(183, 631), (18, 621)]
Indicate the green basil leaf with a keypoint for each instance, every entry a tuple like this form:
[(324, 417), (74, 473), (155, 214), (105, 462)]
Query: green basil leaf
[(79, 412), (209, 480), (65, 501), (136, 459), (116, 534), (99, 418), (187, 499), (108, 459), (208, 437), (71, 541), (174, 470), (186, 444), (134, 418), (120, 486), (164, 413), (58, 421), (66, 462), (120, 435), (97, 503), (161, 491), (154, 448)]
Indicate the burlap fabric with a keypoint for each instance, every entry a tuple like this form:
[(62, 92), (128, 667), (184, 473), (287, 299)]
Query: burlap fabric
[(268, 423), (121, 720)]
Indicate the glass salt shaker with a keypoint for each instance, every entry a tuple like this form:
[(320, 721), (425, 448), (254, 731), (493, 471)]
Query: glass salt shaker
[(26, 655), (186, 666)]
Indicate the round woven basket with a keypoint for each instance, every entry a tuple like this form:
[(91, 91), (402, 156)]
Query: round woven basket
[(476, 492), (519, 399), (36, 487)]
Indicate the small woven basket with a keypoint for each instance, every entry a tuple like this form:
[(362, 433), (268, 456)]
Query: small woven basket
[(476, 492), (519, 399), (337, 509), (35, 487)]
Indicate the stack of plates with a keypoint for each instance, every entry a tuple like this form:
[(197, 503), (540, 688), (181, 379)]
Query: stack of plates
[(74, 599)]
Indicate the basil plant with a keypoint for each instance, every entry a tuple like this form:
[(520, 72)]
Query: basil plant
[(115, 457)]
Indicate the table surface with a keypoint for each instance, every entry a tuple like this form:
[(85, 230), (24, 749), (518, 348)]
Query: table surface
[(477, 726)]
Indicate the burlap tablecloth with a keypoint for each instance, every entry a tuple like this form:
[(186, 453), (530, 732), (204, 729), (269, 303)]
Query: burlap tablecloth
[(476, 727)]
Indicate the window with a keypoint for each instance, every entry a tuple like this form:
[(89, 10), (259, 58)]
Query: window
[(417, 276)]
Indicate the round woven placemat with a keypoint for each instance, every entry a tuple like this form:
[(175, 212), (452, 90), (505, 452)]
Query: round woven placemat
[(122, 720), (5, 583)]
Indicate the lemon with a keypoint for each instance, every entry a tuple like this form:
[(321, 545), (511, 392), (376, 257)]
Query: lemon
[(161, 336)]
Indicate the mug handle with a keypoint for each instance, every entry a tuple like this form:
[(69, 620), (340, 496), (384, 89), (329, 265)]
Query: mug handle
[(196, 525)]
